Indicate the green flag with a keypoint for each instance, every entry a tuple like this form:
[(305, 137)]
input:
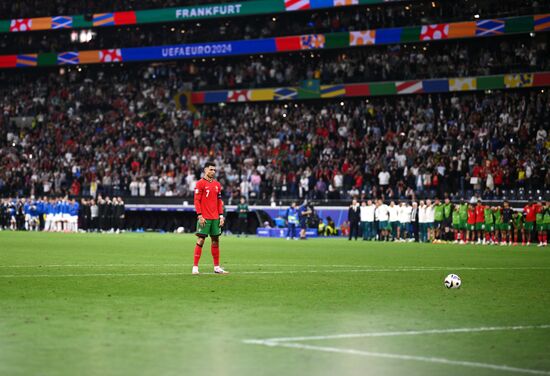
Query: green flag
[(309, 89)]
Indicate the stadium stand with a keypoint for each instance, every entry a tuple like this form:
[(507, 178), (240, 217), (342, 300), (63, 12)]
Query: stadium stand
[(115, 129)]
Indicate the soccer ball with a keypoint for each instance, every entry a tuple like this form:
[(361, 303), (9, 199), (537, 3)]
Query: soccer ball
[(180, 230), (452, 281)]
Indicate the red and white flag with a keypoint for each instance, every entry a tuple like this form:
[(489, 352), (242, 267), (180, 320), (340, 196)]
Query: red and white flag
[(238, 95), (21, 24), (109, 56), (408, 87), (434, 32), (297, 4)]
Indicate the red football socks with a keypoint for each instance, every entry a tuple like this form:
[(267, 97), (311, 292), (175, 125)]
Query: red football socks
[(198, 252), (216, 254)]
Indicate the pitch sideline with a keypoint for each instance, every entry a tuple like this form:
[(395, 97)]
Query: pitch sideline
[(290, 342)]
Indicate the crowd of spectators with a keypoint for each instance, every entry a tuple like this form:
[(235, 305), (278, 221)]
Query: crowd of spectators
[(404, 62), (344, 19), (516, 54), (118, 135), (116, 130)]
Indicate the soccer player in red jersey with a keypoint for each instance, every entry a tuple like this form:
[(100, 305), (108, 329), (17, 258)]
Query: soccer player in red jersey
[(209, 207), (480, 222), (530, 213), (471, 224)]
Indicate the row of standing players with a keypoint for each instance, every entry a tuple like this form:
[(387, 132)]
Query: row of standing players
[(62, 214), (447, 222)]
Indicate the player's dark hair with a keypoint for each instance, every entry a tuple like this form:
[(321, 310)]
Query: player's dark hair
[(208, 164)]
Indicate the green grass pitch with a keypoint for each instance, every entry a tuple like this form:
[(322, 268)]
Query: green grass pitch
[(91, 304)]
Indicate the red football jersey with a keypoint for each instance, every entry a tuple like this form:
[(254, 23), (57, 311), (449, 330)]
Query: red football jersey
[(480, 213), (208, 199), (471, 216), (530, 212)]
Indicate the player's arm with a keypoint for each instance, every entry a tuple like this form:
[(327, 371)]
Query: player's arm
[(220, 207), (197, 200)]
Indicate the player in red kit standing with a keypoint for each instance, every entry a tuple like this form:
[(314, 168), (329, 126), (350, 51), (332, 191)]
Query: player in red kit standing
[(530, 214), (471, 225), (480, 222), (209, 207)]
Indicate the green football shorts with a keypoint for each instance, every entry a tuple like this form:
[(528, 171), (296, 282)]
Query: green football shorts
[(211, 227), (505, 227), (529, 226), (480, 226)]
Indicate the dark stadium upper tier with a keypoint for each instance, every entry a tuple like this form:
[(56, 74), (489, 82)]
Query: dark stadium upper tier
[(306, 42), (341, 19), (18, 16), (175, 14)]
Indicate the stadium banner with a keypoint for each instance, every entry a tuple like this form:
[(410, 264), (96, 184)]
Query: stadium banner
[(365, 38), (175, 14), (317, 91)]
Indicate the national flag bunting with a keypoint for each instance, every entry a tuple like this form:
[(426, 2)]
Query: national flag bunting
[(309, 89), (435, 86), (62, 22), (362, 38), (68, 58), (409, 87), (541, 79), (285, 93), (297, 4), (312, 41), (21, 24), (389, 35), (89, 57), (215, 96), (41, 23), (109, 56), (357, 90), (512, 81), (238, 95), (434, 32), (125, 18), (8, 61), (333, 91), (261, 94), (30, 60), (462, 29), (343, 3), (462, 84), (104, 19), (542, 22), (490, 27)]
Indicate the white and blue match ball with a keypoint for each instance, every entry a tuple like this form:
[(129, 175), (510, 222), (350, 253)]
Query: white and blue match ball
[(452, 281)]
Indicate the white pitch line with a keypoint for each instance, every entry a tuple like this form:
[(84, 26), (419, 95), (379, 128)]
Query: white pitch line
[(496, 367), (183, 265), (398, 333), (180, 273), (305, 271), (358, 267)]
